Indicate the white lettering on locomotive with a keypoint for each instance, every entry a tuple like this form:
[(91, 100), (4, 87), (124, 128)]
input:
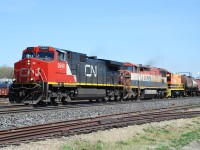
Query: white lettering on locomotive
[(147, 78), (25, 72), (90, 70), (37, 72), (61, 65)]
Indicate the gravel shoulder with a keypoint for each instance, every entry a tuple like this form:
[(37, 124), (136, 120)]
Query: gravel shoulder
[(9, 121)]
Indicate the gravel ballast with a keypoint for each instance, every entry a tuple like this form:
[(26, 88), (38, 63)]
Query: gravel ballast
[(9, 121)]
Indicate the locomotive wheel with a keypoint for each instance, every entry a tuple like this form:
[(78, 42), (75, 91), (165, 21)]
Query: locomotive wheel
[(14, 99), (112, 98), (117, 98), (99, 100), (53, 101), (106, 99), (63, 101)]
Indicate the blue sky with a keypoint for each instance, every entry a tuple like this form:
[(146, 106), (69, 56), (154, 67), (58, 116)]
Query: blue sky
[(162, 33)]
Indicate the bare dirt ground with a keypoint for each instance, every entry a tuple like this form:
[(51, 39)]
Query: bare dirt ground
[(192, 146), (115, 135)]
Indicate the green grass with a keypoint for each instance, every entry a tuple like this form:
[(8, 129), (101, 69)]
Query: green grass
[(66, 147), (84, 145), (162, 147), (185, 139), (153, 138), (99, 145)]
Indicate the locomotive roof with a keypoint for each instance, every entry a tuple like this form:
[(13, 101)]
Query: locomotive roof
[(109, 62), (68, 51)]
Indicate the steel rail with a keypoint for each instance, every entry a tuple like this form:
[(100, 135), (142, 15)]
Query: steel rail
[(18, 135)]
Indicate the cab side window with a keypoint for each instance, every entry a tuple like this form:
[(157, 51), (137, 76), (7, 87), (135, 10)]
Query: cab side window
[(69, 56), (61, 56)]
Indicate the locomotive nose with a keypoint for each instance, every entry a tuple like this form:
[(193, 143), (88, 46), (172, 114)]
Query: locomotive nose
[(28, 70)]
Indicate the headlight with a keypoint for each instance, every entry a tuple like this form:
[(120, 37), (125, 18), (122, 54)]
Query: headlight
[(13, 79), (28, 62), (32, 79)]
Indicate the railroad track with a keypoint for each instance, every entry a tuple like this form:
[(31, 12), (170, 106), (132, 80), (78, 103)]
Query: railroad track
[(66, 128), (13, 109)]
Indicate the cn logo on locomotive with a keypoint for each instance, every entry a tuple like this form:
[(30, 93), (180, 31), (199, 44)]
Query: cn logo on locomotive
[(90, 70), (25, 72)]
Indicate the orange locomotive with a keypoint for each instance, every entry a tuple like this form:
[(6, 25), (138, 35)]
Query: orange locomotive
[(175, 86)]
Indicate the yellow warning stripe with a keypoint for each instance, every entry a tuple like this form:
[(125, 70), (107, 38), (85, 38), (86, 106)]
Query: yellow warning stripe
[(95, 84), (178, 89), (88, 84)]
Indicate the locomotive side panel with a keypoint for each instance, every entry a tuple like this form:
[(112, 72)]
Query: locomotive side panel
[(92, 71), (175, 86), (145, 82)]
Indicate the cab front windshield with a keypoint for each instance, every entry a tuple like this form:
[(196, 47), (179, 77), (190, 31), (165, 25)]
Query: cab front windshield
[(28, 55), (49, 56)]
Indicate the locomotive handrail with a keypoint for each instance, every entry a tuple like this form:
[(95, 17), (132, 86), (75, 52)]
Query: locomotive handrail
[(44, 75)]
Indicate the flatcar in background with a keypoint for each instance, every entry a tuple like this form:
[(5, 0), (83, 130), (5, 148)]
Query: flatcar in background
[(4, 87)]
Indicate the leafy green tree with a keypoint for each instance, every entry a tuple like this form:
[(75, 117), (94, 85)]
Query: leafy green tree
[(6, 72)]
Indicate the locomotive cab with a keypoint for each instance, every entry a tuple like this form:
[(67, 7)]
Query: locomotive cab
[(38, 66)]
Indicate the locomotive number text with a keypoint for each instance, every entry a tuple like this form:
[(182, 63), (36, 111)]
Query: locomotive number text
[(61, 65)]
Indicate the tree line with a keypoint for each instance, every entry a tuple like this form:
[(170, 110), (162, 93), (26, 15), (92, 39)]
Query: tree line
[(6, 72)]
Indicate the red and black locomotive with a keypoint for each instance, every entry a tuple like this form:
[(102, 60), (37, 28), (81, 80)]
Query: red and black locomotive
[(51, 75)]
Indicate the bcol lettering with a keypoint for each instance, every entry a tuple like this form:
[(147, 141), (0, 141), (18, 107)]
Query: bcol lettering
[(92, 70)]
